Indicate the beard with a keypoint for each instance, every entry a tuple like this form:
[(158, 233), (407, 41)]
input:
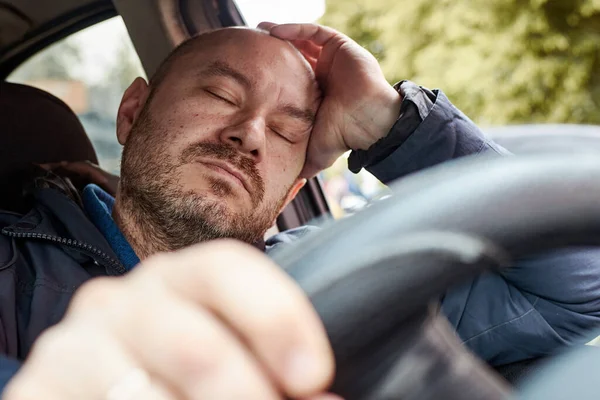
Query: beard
[(168, 217)]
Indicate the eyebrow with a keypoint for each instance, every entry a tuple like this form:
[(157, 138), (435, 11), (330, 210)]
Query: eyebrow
[(219, 68), (306, 115)]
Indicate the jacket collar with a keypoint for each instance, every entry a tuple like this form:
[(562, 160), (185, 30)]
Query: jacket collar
[(58, 215)]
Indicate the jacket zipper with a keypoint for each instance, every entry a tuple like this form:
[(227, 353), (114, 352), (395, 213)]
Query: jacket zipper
[(76, 244)]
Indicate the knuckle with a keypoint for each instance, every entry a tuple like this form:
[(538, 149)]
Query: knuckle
[(96, 293), (238, 254), (285, 315), (48, 339), (52, 344), (199, 355), (154, 263), (192, 362)]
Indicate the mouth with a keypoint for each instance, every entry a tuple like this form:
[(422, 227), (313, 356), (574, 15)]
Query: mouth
[(228, 172)]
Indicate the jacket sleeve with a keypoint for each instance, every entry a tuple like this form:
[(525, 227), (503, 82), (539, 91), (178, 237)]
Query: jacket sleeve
[(429, 131), (533, 309)]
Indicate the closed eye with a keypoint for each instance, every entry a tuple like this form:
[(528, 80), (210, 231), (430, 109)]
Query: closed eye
[(278, 133), (220, 97)]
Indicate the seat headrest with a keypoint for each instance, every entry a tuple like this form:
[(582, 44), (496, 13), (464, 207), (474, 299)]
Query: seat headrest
[(36, 127)]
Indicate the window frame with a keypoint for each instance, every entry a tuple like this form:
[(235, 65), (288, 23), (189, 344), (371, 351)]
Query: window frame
[(52, 32)]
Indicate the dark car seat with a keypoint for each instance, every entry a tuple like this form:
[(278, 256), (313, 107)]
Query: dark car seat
[(35, 127)]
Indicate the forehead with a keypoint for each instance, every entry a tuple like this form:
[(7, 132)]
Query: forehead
[(259, 57)]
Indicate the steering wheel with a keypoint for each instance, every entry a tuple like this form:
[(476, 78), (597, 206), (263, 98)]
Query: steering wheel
[(375, 277)]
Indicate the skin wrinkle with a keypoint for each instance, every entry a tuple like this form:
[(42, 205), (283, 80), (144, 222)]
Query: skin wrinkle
[(168, 198), (229, 154), (219, 68)]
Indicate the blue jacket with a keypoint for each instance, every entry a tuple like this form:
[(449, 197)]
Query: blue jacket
[(48, 253)]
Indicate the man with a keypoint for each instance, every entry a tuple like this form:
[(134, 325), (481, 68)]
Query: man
[(214, 147)]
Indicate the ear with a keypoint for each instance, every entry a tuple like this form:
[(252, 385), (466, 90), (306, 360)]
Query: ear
[(131, 105), (299, 184)]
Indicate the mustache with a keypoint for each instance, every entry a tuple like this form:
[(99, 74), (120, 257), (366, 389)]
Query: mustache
[(225, 152)]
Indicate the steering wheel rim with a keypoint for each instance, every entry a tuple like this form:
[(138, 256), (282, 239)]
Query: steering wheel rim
[(511, 207)]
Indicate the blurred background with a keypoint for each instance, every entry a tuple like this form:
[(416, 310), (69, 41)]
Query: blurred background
[(504, 63)]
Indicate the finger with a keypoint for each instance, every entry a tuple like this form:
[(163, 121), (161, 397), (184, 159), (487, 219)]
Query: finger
[(51, 166), (187, 347), (89, 171), (112, 184), (309, 51), (307, 48), (318, 34), (262, 304), (266, 25), (312, 62), (81, 363), (82, 167)]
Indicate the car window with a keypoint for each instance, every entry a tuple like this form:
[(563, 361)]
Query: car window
[(89, 70), (280, 11), (347, 192)]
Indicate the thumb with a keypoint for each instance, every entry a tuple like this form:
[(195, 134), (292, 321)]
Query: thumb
[(310, 170)]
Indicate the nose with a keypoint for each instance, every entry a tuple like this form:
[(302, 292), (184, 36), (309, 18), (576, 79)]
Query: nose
[(248, 136)]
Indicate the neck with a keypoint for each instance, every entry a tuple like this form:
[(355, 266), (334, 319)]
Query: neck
[(143, 238)]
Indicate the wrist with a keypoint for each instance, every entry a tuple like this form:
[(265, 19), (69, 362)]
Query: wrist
[(385, 113)]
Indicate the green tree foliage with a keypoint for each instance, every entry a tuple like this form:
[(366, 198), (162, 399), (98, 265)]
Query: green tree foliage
[(500, 61)]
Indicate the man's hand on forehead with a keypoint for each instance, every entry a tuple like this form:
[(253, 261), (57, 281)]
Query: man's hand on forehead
[(359, 106), (307, 47)]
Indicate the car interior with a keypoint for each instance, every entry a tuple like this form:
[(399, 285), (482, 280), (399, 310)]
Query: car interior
[(35, 116), (432, 245)]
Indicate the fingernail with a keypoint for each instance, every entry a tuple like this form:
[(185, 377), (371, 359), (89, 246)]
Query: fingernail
[(266, 25)]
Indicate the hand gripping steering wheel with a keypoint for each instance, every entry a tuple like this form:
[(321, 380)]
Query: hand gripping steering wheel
[(375, 278)]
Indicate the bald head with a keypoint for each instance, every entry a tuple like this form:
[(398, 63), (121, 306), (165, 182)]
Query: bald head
[(219, 40)]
